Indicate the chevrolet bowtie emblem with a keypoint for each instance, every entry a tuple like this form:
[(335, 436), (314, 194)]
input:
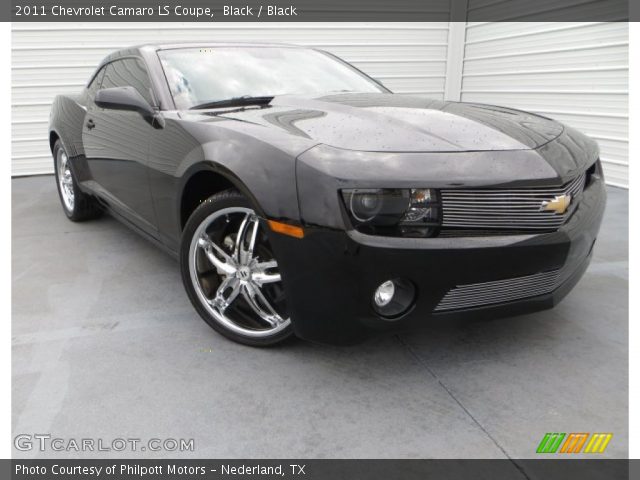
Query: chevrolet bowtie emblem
[(559, 204)]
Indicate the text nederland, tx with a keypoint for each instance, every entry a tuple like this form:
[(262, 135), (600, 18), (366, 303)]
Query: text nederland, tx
[(160, 10), (171, 469)]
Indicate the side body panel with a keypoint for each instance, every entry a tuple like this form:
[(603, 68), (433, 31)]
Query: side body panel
[(116, 150)]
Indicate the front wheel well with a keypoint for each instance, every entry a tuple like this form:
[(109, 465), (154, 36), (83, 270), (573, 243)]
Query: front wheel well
[(198, 188)]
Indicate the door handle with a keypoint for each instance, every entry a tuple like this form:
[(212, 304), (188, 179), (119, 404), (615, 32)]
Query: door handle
[(90, 124)]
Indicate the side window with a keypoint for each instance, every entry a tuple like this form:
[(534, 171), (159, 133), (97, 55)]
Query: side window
[(129, 72)]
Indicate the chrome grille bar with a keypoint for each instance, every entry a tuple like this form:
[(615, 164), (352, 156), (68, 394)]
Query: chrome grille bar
[(499, 291), (513, 209)]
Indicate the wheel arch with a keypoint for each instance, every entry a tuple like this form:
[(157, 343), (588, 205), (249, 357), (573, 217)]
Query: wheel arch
[(204, 179), (53, 138)]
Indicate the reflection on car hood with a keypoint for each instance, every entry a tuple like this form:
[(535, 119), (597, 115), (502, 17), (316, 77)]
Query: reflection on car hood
[(399, 123)]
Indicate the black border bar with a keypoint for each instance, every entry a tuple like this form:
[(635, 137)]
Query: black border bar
[(319, 10), (507, 469)]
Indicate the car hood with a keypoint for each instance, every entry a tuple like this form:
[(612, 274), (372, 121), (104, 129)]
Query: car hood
[(397, 123)]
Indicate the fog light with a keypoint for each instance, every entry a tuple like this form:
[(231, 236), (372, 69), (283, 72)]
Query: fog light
[(384, 293), (394, 298)]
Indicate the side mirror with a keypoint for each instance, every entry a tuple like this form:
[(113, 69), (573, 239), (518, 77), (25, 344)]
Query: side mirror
[(124, 98)]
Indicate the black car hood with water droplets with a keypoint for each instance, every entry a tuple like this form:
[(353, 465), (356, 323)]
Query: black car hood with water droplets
[(399, 123)]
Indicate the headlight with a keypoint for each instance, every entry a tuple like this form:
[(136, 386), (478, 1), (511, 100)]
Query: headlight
[(409, 212)]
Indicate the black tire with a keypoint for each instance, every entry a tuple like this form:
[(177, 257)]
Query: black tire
[(226, 200), (83, 206)]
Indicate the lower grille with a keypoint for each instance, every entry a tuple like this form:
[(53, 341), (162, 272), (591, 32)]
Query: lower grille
[(499, 291), (507, 209)]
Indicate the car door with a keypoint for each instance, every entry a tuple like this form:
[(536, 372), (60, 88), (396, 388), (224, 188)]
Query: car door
[(116, 144)]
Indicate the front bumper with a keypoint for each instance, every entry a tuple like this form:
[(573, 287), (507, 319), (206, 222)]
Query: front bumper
[(330, 275)]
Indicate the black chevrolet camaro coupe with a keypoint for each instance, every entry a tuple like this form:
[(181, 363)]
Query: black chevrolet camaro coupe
[(303, 197)]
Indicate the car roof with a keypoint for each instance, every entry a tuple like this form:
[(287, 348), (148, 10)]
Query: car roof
[(170, 46), (151, 48)]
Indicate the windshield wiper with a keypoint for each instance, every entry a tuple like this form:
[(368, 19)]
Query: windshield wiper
[(235, 102)]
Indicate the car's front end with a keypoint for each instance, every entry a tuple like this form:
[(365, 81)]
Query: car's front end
[(383, 210), (392, 239)]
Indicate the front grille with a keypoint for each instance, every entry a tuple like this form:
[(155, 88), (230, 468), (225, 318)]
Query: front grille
[(510, 209), (499, 291)]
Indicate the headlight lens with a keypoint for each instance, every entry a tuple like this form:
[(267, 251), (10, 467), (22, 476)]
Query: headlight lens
[(379, 206), (410, 212)]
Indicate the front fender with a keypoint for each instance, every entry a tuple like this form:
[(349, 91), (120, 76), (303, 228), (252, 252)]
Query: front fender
[(261, 160), (263, 168), (263, 172)]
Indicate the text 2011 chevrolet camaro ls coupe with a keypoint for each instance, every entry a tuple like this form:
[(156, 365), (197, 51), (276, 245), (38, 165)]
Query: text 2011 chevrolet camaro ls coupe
[(302, 196)]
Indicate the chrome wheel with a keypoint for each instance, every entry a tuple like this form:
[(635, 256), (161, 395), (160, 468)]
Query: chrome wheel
[(235, 275), (65, 180)]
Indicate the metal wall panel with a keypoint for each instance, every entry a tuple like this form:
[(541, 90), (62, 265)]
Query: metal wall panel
[(577, 73), (53, 58)]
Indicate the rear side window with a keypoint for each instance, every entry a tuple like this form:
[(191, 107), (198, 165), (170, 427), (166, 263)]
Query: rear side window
[(129, 72)]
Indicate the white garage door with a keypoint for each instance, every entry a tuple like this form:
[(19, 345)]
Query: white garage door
[(577, 73), (52, 58)]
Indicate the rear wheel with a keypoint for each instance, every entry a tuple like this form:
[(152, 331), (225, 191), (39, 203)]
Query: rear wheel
[(230, 272), (77, 205)]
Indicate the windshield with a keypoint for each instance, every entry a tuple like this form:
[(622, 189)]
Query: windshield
[(202, 75)]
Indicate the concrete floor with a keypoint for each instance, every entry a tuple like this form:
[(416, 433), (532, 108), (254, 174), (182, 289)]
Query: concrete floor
[(106, 345)]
